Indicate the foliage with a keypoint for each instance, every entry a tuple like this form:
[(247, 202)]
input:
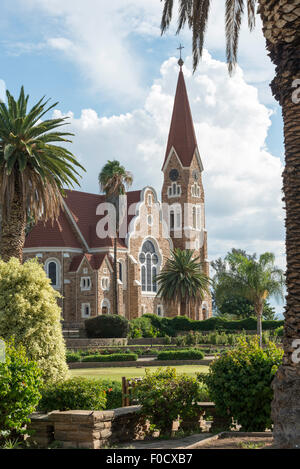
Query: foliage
[(239, 383), (107, 326), (20, 384), (278, 331), (182, 279), (142, 327), (29, 159), (114, 179), (251, 278), (170, 326), (188, 354), (73, 394), (113, 391), (164, 395), (195, 15), (29, 312), (73, 357), (116, 357)]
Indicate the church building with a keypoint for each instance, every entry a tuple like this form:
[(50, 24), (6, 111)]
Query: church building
[(77, 249)]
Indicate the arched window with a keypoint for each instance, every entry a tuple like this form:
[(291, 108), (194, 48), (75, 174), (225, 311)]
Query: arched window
[(172, 220), (52, 268), (149, 267), (120, 271), (105, 307)]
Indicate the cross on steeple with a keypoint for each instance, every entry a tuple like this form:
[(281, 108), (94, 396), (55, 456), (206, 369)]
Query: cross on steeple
[(180, 61)]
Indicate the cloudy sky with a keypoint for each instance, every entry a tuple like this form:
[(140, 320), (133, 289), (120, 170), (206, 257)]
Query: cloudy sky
[(115, 76)]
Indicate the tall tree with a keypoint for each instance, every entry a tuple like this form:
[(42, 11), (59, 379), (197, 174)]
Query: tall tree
[(227, 302), (254, 280), (281, 28), (33, 171), (183, 281), (114, 180)]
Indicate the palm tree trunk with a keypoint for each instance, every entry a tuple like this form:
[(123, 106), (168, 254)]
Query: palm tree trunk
[(281, 27), (183, 308), (13, 226)]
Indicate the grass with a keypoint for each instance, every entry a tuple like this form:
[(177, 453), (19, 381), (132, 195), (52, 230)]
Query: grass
[(130, 372)]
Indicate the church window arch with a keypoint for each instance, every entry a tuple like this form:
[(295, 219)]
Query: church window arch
[(52, 268), (149, 262)]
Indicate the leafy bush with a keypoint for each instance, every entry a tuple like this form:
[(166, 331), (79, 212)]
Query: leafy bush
[(20, 384), (189, 354), (142, 327), (171, 326), (113, 391), (278, 332), (73, 394), (73, 357), (164, 396), (30, 313), (239, 383), (116, 357), (107, 326)]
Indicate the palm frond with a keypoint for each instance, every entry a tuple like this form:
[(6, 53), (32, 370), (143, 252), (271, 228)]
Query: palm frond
[(29, 161), (195, 13)]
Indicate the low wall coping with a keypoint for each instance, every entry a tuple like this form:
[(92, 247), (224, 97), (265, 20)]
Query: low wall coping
[(138, 364)]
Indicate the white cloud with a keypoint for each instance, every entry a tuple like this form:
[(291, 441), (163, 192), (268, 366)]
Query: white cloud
[(98, 37), (2, 90), (242, 179)]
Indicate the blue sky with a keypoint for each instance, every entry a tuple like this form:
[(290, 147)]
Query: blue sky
[(109, 68)]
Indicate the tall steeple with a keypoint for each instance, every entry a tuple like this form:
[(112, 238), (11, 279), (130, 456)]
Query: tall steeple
[(182, 135), (182, 190)]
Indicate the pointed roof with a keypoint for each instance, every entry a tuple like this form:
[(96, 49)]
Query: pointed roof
[(76, 225), (182, 133)]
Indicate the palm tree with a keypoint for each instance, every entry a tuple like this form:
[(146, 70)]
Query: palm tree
[(183, 281), (252, 279), (114, 180), (281, 28), (33, 171)]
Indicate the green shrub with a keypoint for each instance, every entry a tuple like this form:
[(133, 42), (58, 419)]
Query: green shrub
[(73, 394), (107, 326), (30, 313), (278, 332), (73, 357), (113, 391), (116, 357), (164, 396), (189, 354), (158, 396), (142, 327), (170, 326), (239, 383), (20, 384)]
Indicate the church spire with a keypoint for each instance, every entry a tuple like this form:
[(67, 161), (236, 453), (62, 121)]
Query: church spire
[(182, 134)]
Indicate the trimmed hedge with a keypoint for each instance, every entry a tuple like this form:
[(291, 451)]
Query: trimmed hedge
[(73, 394), (170, 326), (188, 354), (116, 357), (107, 326)]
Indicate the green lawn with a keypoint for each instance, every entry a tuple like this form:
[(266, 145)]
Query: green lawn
[(130, 372)]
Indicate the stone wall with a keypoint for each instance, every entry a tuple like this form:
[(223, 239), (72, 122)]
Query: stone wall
[(87, 429)]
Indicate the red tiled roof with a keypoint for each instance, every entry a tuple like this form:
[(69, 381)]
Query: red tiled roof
[(182, 133), (82, 207), (95, 261), (56, 234)]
